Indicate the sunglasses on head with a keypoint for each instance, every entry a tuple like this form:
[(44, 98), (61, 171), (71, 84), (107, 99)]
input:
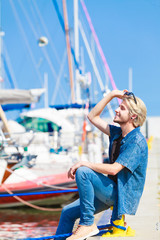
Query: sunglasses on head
[(131, 94)]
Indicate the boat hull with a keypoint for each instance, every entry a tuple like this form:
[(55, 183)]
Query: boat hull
[(56, 182)]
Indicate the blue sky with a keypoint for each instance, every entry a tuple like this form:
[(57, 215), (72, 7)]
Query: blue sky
[(128, 31)]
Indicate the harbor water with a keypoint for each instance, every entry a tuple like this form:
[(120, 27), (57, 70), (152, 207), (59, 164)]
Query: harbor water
[(25, 222)]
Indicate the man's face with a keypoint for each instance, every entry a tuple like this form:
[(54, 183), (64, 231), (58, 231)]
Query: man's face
[(122, 114)]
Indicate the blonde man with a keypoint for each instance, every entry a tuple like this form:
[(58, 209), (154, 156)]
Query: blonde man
[(123, 187)]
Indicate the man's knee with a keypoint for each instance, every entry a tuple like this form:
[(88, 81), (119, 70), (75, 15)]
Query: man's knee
[(83, 172)]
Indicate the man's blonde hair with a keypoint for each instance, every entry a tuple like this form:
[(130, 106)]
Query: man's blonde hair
[(138, 109)]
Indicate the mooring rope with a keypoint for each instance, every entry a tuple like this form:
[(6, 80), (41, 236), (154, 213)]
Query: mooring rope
[(117, 226), (16, 195), (40, 183), (30, 204), (69, 234)]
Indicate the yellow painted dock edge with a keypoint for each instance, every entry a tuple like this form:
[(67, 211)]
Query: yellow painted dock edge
[(149, 142)]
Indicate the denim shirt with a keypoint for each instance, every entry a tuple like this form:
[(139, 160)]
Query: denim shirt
[(130, 180)]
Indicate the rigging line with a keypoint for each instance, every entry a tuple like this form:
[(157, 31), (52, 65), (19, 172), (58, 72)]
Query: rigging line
[(59, 14), (10, 66), (7, 72), (25, 39), (94, 66), (91, 57), (99, 46), (59, 78), (36, 36), (49, 62), (63, 94), (0, 16), (47, 32), (63, 28), (37, 183)]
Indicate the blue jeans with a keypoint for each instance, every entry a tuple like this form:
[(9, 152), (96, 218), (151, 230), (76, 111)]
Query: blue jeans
[(97, 193)]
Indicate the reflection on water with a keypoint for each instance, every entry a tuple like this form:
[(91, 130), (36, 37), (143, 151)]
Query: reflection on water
[(25, 222)]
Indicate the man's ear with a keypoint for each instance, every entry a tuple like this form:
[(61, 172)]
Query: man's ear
[(134, 116)]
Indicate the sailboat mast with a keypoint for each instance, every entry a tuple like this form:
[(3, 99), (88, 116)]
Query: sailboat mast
[(1, 34), (76, 40), (68, 51)]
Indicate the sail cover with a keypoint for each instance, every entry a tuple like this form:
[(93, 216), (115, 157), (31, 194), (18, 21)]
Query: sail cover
[(12, 96)]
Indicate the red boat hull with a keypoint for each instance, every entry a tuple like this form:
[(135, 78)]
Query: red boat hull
[(59, 180)]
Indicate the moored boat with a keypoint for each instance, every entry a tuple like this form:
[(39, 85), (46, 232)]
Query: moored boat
[(34, 192), (23, 186)]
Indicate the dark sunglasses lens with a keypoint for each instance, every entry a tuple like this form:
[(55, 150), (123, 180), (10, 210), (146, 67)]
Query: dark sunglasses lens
[(131, 94), (128, 93)]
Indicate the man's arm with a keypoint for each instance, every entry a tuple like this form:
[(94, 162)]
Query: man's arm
[(111, 169), (94, 115)]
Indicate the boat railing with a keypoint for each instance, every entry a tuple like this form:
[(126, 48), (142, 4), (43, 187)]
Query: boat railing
[(48, 144)]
